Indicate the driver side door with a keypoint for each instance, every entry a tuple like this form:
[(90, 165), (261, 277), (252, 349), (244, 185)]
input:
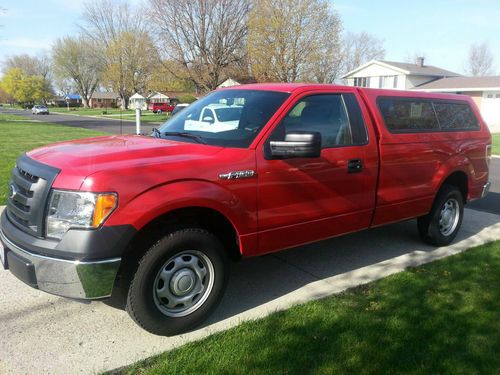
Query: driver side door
[(302, 200)]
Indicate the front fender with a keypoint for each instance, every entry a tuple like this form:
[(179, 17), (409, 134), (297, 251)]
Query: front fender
[(145, 207)]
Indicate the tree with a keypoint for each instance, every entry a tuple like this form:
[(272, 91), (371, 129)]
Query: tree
[(4, 97), (162, 78), (204, 37), (74, 59), (110, 25), (293, 40), (131, 59), (480, 60), (360, 48), (22, 87), (39, 66), (30, 65)]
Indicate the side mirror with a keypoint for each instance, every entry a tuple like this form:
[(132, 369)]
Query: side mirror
[(208, 119), (297, 145)]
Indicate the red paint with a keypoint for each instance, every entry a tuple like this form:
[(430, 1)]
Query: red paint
[(161, 107), (289, 202)]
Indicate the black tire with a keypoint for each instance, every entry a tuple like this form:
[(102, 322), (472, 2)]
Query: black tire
[(448, 207), (151, 311)]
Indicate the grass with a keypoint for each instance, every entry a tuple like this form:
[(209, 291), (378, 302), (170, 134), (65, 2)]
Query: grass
[(439, 318), (20, 135), (496, 144)]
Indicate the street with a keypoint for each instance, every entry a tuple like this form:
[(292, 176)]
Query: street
[(491, 203), (113, 126)]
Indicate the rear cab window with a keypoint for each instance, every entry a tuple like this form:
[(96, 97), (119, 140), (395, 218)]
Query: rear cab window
[(414, 115)]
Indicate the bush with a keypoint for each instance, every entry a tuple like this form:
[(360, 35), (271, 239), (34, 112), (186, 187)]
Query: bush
[(187, 99)]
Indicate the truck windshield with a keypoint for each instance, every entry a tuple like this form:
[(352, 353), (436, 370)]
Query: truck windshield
[(239, 116)]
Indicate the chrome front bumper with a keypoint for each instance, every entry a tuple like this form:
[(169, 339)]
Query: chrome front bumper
[(66, 278)]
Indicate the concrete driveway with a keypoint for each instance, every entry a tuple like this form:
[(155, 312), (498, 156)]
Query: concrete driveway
[(41, 334)]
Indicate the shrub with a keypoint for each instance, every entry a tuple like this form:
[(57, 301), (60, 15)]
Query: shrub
[(187, 98)]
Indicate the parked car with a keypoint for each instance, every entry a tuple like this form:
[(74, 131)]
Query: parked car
[(179, 107), (161, 107), (299, 163), (40, 110)]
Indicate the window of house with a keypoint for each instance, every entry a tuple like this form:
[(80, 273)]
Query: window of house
[(360, 81), (395, 84)]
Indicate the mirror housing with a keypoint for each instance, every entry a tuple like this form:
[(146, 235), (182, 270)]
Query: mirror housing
[(297, 145), (208, 119)]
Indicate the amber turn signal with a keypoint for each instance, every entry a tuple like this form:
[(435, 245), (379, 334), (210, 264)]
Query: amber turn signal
[(104, 205)]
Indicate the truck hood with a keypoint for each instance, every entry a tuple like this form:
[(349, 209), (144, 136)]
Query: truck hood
[(87, 156)]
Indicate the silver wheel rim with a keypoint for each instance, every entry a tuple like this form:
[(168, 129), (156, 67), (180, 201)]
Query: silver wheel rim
[(449, 216), (183, 283)]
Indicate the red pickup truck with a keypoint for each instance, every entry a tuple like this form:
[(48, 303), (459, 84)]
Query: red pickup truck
[(161, 107), (160, 216)]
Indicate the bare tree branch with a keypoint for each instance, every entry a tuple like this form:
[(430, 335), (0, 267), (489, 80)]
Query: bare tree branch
[(294, 40), (75, 59), (204, 37), (480, 60), (360, 48)]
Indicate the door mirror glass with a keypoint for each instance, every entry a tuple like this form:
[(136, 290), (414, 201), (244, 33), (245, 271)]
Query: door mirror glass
[(297, 145)]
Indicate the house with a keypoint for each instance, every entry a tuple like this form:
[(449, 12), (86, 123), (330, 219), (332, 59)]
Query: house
[(228, 83), (138, 101), (485, 91), (243, 80), (104, 100), (57, 101), (395, 75), (73, 100)]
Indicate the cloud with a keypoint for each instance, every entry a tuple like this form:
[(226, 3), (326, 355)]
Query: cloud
[(27, 43)]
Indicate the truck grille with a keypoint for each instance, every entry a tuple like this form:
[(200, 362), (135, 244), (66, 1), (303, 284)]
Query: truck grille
[(28, 192)]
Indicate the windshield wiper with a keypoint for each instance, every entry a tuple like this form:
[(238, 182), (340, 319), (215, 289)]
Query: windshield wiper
[(197, 138)]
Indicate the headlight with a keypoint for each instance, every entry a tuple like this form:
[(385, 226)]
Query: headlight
[(74, 209)]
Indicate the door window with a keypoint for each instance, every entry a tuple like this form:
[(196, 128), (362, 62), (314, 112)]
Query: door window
[(328, 115)]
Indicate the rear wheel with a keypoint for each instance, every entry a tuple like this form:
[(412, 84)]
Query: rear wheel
[(442, 224), (179, 282)]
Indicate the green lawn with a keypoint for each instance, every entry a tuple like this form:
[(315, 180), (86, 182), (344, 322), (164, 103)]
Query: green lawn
[(439, 318), (19, 135), (496, 144)]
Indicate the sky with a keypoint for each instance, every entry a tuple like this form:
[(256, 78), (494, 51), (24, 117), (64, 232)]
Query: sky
[(440, 30)]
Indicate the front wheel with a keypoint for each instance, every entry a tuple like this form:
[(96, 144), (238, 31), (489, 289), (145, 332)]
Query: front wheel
[(179, 282), (442, 224)]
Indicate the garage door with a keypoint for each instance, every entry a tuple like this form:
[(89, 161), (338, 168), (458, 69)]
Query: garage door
[(490, 110)]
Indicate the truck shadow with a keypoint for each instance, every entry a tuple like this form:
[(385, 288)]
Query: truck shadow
[(256, 281)]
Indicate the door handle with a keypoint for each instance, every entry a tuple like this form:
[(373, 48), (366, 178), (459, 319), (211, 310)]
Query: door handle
[(354, 166)]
